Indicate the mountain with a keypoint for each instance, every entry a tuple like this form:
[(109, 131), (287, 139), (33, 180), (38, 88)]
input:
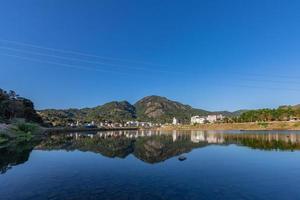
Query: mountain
[(151, 108), (230, 114), (60, 117), (161, 109), (112, 111), (294, 107)]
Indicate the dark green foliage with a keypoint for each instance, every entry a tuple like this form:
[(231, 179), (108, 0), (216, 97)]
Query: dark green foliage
[(26, 127), (262, 115), (114, 111), (13, 106), (14, 154)]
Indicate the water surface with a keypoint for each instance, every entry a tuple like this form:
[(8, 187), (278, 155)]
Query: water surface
[(145, 165)]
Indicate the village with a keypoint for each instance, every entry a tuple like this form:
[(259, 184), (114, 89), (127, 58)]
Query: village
[(108, 124)]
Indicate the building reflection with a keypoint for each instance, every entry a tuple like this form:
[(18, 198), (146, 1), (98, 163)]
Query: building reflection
[(210, 137)]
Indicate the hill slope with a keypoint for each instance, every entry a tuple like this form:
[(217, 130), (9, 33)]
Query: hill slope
[(150, 108), (161, 109), (112, 111)]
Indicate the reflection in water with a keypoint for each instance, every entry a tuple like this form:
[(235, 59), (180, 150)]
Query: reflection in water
[(156, 146), (14, 154), (149, 146)]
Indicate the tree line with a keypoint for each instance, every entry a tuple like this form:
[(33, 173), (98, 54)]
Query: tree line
[(284, 113)]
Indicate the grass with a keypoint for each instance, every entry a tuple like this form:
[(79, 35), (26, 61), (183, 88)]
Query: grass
[(24, 131), (263, 124), (20, 132)]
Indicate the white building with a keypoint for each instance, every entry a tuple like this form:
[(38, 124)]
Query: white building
[(132, 123), (210, 118), (175, 121), (197, 120), (214, 118)]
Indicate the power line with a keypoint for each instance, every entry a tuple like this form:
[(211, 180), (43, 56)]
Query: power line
[(79, 53), (99, 70), (117, 59), (124, 66), (115, 65), (61, 64), (81, 60)]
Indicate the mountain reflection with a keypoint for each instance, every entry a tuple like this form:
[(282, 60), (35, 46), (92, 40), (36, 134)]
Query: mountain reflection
[(156, 146), (149, 146)]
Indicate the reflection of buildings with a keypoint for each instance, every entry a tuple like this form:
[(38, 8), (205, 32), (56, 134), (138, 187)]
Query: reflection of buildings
[(197, 136), (209, 137)]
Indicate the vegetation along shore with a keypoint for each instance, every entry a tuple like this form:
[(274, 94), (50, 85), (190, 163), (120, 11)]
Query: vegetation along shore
[(19, 121), (271, 125)]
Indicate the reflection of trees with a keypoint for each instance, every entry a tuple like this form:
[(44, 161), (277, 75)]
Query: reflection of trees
[(110, 147), (284, 142), (14, 154)]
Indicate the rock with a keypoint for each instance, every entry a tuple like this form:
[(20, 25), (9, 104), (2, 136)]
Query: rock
[(181, 158)]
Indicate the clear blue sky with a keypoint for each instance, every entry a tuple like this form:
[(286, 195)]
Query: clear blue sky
[(211, 54)]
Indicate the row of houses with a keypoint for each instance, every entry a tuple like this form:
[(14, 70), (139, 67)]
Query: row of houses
[(114, 124), (142, 124), (194, 120)]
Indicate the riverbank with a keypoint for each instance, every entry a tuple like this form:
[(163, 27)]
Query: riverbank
[(21, 132), (276, 125), (82, 129)]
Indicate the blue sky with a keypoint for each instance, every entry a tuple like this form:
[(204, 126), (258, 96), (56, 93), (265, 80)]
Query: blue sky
[(215, 55)]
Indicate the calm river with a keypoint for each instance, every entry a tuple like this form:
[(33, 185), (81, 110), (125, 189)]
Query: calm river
[(154, 165)]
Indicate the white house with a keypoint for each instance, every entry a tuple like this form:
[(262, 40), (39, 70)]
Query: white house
[(175, 121)]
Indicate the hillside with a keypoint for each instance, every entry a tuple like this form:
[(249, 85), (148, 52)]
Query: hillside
[(112, 111), (150, 108), (161, 109)]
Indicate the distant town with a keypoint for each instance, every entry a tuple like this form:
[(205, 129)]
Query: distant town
[(108, 124)]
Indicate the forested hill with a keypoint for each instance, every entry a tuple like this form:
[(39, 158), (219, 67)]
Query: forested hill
[(282, 113), (13, 106), (161, 109), (150, 108)]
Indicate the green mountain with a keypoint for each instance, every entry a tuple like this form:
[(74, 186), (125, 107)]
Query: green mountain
[(112, 111), (150, 108), (161, 109)]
